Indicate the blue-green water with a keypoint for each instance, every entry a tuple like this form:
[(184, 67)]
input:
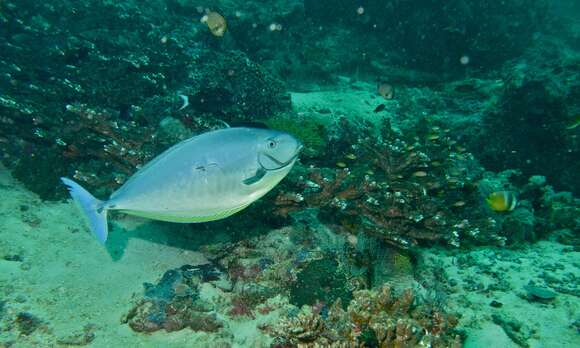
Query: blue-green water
[(290, 173)]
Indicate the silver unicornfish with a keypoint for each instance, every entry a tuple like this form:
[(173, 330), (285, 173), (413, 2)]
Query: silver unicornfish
[(205, 178)]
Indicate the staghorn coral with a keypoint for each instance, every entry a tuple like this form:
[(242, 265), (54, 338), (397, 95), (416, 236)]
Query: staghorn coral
[(373, 317)]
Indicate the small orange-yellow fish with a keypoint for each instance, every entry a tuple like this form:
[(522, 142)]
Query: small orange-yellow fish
[(420, 174), (341, 165), (216, 23), (350, 156), (501, 201), (386, 91)]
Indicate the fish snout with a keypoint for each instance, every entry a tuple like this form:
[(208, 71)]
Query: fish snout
[(299, 147)]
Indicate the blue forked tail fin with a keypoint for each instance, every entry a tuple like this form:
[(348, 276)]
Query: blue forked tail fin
[(93, 209)]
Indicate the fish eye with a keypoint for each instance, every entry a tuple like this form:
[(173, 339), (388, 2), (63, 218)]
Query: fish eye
[(271, 144)]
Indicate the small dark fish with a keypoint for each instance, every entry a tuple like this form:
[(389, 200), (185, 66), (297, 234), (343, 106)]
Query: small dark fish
[(380, 108), (125, 112)]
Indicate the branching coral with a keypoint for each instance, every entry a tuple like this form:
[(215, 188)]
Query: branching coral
[(405, 192)]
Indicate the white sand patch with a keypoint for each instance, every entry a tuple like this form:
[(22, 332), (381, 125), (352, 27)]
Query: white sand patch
[(359, 99), (65, 278), (487, 274)]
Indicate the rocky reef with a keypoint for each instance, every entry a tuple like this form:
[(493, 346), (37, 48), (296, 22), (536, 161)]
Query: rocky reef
[(313, 295), (79, 94)]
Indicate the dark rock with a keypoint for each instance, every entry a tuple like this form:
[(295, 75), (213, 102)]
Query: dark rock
[(13, 257), (173, 303), (2, 308), (320, 281), (528, 130), (27, 323), (435, 37), (83, 338), (518, 226), (537, 293), (21, 298), (515, 330), (496, 304)]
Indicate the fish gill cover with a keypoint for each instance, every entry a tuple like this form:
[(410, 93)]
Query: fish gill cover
[(435, 200)]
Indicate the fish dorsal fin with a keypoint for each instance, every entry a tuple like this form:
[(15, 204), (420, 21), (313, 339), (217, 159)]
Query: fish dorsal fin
[(260, 173)]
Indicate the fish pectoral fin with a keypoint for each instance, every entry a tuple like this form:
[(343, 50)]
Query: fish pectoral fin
[(256, 177)]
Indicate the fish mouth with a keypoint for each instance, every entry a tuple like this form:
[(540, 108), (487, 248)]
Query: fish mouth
[(280, 163)]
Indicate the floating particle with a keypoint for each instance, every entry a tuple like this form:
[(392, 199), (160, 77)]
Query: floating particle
[(275, 27)]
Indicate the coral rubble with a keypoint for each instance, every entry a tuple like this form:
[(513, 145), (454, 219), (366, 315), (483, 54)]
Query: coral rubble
[(174, 304), (376, 318)]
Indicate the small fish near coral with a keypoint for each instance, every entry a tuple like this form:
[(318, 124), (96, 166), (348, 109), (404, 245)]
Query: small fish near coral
[(502, 201), (386, 90), (380, 108), (216, 23), (205, 178)]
